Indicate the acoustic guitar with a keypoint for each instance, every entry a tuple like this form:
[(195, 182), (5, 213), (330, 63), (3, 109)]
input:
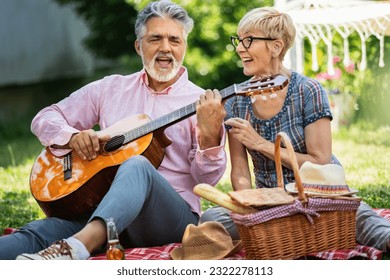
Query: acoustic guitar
[(68, 186)]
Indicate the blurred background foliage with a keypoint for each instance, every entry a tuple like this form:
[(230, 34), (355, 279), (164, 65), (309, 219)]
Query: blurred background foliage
[(212, 61), (111, 23), (369, 88)]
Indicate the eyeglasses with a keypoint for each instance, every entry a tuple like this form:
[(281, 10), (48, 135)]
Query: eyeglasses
[(247, 41)]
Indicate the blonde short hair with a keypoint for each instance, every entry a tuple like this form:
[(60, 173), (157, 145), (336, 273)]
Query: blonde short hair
[(270, 22)]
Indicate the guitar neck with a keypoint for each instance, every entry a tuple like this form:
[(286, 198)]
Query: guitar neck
[(171, 118), (249, 88)]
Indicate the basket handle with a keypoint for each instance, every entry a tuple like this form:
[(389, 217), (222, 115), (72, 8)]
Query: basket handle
[(278, 162)]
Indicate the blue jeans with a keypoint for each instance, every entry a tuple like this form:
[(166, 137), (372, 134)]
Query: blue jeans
[(371, 229), (146, 209)]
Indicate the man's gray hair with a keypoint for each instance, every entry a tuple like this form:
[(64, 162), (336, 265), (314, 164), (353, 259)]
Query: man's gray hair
[(163, 9)]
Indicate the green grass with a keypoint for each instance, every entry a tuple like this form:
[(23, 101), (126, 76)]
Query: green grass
[(363, 150), (17, 206)]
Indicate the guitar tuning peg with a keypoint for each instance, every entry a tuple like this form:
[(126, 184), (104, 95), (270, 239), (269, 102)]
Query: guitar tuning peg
[(253, 99)]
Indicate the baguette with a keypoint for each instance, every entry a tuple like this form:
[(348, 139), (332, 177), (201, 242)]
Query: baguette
[(218, 197)]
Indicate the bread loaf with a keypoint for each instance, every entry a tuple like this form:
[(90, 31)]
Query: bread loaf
[(220, 198)]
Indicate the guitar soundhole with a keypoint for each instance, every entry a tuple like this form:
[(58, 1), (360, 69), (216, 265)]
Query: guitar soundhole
[(114, 143)]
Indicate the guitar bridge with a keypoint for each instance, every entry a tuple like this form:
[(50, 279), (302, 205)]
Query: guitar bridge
[(67, 166)]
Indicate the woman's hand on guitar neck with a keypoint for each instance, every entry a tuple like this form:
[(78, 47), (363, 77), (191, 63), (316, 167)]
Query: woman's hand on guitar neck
[(86, 143), (210, 113)]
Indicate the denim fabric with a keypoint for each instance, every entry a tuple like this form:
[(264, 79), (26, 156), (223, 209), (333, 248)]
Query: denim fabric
[(145, 206), (146, 209), (372, 229), (36, 236)]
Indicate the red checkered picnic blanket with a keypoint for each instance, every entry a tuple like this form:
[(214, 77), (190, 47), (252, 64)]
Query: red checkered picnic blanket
[(157, 253), (162, 252)]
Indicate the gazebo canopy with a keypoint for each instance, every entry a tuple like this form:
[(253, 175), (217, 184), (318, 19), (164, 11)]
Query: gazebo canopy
[(319, 20)]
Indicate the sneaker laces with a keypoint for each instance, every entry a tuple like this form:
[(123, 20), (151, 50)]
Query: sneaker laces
[(58, 248)]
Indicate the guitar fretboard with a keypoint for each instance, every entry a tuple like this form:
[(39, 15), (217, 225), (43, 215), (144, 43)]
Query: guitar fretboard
[(171, 118)]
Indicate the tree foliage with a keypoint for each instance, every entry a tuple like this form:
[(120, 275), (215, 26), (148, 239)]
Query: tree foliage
[(210, 59), (111, 25)]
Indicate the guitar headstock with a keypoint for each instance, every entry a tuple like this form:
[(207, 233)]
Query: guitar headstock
[(262, 85)]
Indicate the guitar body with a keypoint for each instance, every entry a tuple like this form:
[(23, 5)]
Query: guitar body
[(90, 180)]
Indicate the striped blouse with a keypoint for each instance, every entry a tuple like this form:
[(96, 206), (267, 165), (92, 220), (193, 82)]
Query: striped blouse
[(306, 102)]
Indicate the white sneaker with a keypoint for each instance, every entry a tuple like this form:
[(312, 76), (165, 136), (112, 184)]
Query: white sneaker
[(59, 250)]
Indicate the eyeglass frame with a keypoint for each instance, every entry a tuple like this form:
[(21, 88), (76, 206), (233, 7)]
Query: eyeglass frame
[(233, 38)]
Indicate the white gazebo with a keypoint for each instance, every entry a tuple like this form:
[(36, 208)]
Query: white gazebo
[(319, 20)]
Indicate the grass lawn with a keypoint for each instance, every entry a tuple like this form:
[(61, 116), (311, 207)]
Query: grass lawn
[(362, 150), (17, 206)]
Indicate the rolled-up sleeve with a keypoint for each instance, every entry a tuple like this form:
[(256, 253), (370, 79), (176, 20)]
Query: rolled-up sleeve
[(209, 165)]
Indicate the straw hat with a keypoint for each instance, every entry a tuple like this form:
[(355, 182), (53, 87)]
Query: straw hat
[(207, 241), (327, 180)]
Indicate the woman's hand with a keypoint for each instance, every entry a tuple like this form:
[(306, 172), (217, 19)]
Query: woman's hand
[(243, 131)]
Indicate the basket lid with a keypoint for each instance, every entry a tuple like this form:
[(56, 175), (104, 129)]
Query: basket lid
[(262, 197)]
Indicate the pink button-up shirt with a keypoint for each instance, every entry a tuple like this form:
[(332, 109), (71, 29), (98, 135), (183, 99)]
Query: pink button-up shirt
[(115, 97)]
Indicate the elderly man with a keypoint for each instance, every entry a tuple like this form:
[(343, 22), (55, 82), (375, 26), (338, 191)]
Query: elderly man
[(149, 206)]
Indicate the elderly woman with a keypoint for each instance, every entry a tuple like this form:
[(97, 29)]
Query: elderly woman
[(151, 207), (301, 110)]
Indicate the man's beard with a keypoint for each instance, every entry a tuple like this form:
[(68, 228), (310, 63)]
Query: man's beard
[(162, 75)]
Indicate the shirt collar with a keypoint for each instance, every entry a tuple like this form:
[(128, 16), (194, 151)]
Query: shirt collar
[(182, 79)]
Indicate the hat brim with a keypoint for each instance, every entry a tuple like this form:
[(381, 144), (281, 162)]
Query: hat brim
[(291, 189), (178, 253), (237, 248)]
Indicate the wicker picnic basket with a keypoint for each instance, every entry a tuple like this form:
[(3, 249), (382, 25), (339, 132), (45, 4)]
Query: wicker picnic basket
[(321, 224)]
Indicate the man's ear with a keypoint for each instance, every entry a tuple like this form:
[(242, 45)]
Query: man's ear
[(137, 47)]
